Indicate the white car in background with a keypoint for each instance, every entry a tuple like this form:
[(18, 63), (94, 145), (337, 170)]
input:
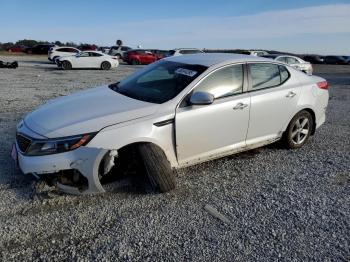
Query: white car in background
[(88, 59), (59, 51), (184, 51), (293, 61), (176, 112), (257, 52), (118, 51)]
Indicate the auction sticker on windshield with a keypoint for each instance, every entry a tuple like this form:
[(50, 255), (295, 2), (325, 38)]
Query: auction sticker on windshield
[(186, 72)]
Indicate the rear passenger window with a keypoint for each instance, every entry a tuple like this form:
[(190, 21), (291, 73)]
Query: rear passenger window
[(292, 60), (282, 59), (264, 75), (284, 74), (223, 82)]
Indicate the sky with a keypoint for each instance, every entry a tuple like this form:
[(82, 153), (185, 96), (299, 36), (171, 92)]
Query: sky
[(299, 26)]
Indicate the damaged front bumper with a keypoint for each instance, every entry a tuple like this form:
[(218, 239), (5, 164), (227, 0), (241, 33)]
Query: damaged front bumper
[(85, 160)]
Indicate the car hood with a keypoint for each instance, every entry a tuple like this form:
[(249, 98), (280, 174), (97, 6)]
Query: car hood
[(85, 112)]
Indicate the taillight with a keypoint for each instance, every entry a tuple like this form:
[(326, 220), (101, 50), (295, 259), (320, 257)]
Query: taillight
[(323, 85)]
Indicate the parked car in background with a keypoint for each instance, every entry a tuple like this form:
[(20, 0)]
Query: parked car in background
[(39, 49), (177, 112), (17, 49), (293, 61), (118, 51), (87, 47), (159, 53), (314, 59), (257, 52), (56, 52), (139, 57), (184, 51), (104, 49), (335, 60), (347, 59), (88, 59)]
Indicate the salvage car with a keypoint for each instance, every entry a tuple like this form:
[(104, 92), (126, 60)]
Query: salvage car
[(183, 51), (88, 59), (335, 60), (39, 49), (118, 51), (176, 112), (314, 59), (56, 52), (293, 61), (139, 57)]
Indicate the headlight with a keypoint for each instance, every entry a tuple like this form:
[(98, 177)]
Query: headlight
[(59, 145)]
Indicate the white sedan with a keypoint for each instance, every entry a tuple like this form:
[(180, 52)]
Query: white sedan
[(88, 59), (176, 112), (293, 61)]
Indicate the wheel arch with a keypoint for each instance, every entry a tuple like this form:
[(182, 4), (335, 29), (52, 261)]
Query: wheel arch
[(313, 115)]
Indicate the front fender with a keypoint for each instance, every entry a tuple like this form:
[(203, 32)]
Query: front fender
[(118, 136)]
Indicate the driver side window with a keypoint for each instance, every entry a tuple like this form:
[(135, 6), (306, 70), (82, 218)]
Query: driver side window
[(223, 82)]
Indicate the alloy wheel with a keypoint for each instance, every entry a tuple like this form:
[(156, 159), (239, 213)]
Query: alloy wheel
[(300, 130)]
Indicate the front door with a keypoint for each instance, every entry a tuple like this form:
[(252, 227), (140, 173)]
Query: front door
[(207, 131)]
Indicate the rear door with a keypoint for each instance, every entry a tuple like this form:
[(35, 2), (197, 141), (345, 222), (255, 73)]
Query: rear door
[(274, 96), (206, 131)]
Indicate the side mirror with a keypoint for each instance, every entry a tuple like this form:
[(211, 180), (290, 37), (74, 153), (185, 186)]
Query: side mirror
[(201, 98)]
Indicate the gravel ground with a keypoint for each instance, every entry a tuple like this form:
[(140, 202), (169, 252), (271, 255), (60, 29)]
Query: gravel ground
[(262, 205)]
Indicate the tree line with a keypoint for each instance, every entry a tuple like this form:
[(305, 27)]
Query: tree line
[(31, 43)]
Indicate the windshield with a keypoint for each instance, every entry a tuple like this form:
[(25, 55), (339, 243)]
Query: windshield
[(158, 82)]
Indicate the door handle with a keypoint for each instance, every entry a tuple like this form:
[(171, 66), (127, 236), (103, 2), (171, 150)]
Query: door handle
[(291, 94), (240, 106)]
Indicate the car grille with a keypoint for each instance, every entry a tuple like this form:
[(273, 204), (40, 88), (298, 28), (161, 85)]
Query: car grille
[(23, 142)]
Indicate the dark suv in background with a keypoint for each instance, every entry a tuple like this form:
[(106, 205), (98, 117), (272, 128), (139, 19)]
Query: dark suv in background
[(335, 60), (39, 49), (314, 59)]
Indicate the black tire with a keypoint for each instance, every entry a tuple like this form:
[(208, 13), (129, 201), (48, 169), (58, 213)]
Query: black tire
[(158, 169), (295, 135), (135, 62), (66, 65), (106, 65)]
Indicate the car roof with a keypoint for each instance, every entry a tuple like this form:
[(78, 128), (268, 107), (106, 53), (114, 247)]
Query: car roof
[(211, 59)]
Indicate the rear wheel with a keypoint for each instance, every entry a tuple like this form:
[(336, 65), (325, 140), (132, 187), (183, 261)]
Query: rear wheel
[(299, 130), (66, 65), (135, 62), (106, 65), (159, 171)]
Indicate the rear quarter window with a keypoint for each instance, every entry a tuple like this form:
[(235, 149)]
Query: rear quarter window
[(266, 75)]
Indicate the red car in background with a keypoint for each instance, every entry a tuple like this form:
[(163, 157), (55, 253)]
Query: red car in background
[(87, 47), (16, 49), (139, 57)]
